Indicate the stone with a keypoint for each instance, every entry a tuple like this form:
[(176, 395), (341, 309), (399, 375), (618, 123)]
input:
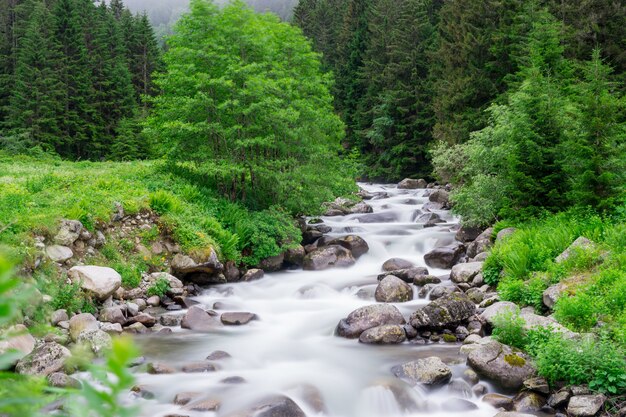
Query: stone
[(393, 290), (218, 355), (505, 233), (537, 384), (481, 244), (111, 328), (133, 308), (422, 280), (460, 388), (397, 263), (467, 234), (501, 363), (445, 311), (200, 269), (136, 328), (470, 377), (458, 405), (412, 184), (439, 196), (238, 318), (231, 272), (153, 301), (429, 219), (355, 244), (465, 272), (171, 320), (479, 390), (552, 294), (384, 335), (429, 371), (59, 316), (377, 218), (233, 380), (585, 405), (82, 322), (253, 274), (44, 360), (58, 253), (367, 317), (327, 257), (498, 401), (528, 402), (444, 257), (184, 398), (61, 380), (198, 367), (559, 399), (68, 233), (99, 280), (143, 318), (295, 256), (407, 275), (361, 208), (441, 291), (513, 414), (171, 279), (199, 320), (156, 368), (98, 340), (273, 263), (582, 243), (498, 309), (18, 341), (532, 320), (113, 314), (475, 294)]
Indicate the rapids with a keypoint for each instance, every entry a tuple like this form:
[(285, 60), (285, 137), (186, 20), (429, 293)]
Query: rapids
[(292, 348)]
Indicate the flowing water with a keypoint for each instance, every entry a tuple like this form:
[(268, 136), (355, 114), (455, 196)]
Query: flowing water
[(292, 349)]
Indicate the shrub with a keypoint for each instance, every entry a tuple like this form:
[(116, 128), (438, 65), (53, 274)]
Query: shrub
[(160, 287), (130, 272), (509, 329), (578, 312), (163, 202), (527, 293)]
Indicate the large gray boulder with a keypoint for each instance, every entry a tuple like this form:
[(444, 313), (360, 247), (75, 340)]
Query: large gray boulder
[(505, 233), (274, 406), (58, 253), (582, 243), (355, 244), (82, 322), (396, 263), (481, 244), (439, 196), (530, 319), (113, 314), (429, 371), (392, 289), (444, 257), (327, 257), (407, 275), (44, 360), (552, 294), (443, 312), (99, 280), (69, 232), (204, 268), (384, 335), (465, 272), (412, 184), (585, 405), (273, 263), (199, 320), (295, 256), (367, 317), (500, 308), (97, 340), (18, 340), (467, 234), (501, 363)]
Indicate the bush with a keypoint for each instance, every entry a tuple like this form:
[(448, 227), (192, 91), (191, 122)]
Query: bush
[(163, 202), (508, 328), (160, 287), (526, 293)]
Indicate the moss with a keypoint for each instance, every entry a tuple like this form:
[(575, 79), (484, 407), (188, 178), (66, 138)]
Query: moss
[(514, 360), (449, 338)]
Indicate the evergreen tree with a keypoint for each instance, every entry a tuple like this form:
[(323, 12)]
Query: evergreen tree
[(145, 56)]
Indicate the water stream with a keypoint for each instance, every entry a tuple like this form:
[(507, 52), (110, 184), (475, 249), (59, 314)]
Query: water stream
[(292, 349)]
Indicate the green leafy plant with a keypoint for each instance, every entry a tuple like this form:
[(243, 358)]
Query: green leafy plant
[(160, 287), (509, 329)]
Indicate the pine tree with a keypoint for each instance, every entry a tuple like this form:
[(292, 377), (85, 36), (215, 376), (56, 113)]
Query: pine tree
[(145, 56)]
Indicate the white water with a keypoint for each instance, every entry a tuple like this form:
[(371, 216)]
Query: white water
[(292, 346)]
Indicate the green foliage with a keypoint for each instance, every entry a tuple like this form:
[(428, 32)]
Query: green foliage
[(509, 329), (70, 296), (246, 111), (522, 292), (160, 287), (163, 202), (130, 271)]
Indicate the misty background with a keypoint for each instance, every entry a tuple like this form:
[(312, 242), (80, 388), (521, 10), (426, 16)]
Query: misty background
[(164, 13)]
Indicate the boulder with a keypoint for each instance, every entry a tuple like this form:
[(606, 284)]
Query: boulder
[(502, 364), (498, 309), (537, 384), (82, 322), (392, 289), (355, 244), (407, 275), (239, 318), (412, 184), (439, 196), (465, 273), (367, 317), (61, 380), (97, 340), (157, 368), (327, 257), (504, 233), (582, 243), (201, 269), (99, 280), (481, 244), (171, 319), (429, 219), (396, 263), (377, 218), (295, 256), (528, 402), (199, 320), (111, 328), (18, 340), (273, 263), (429, 371), (59, 316), (445, 311), (467, 234), (422, 280), (44, 360), (171, 279), (559, 399), (383, 335), (274, 406), (184, 398), (532, 320), (585, 405), (143, 318), (113, 314), (217, 355), (198, 367), (361, 208), (498, 401), (253, 274), (552, 294), (58, 253), (444, 257), (69, 232)]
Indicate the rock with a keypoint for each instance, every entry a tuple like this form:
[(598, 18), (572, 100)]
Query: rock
[(61, 380), (367, 317), (444, 257), (58, 253), (218, 355), (396, 263), (199, 367), (480, 244), (498, 309), (113, 314), (447, 310), (383, 335), (171, 279), (59, 316), (355, 244), (361, 208), (412, 184), (393, 290), (144, 318), (501, 363), (199, 320), (465, 272), (136, 328), (460, 388), (476, 295), (44, 360), (552, 294), (479, 390), (580, 390), (132, 308), (327, 257), (233, 380), (18, 340), (99, 280), (231, 272), (407, 275), (429, 371), (528, 402), (429, 219), (538, 384), (253, 274), (467, 234), (80, 323), (153, 301), (422, 280), (377, 218), (98, 340), (237, 318), (458, 405), (439, 196), (68, 233), (274, 406), (210, 404), (273, 263), (295, 256), (201, 269), (156, 368), (171, 320), (111, 328), (582, 243), (498, 401), (513, 414), (184, 398), (559, 399), (585, 405), (532, 320), (481, 257), (504, 233)]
